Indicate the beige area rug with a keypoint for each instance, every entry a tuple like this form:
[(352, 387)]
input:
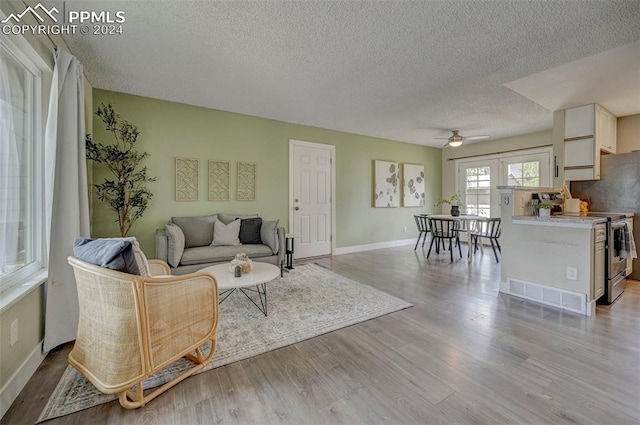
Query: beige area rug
[(307, 302)]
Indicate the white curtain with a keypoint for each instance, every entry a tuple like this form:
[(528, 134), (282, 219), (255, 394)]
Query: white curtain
[(11, 92), (66, 196)]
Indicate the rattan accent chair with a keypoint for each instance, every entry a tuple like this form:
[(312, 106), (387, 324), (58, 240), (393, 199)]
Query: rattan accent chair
[(130, 327)]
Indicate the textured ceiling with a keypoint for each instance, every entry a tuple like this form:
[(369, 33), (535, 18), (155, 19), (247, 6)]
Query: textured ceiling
[(401, 70)]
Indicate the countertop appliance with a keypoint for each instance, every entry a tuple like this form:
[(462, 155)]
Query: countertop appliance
[(555, 199)]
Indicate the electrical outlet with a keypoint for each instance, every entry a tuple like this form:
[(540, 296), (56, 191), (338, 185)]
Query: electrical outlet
[(14, 333), (572, 273), (404, 229)]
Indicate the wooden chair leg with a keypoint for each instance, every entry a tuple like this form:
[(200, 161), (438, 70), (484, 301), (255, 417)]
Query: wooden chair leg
[(418, 241), (459, 247)]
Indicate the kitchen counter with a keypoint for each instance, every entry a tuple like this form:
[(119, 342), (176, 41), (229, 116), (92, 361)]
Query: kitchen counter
[(580, 222)]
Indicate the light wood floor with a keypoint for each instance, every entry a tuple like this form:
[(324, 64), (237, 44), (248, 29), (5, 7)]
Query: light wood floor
[(464, 354)]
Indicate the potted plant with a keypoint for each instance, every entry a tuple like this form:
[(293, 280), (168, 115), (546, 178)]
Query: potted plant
[(454, 201), (544, 210), (127, 194)]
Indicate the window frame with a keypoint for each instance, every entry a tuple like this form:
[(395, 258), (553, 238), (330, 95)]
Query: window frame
[(31, 273)]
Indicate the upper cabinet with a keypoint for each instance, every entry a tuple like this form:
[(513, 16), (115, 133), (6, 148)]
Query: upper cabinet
[(588, 130)]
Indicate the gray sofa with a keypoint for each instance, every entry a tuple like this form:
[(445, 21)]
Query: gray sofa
[(197, 250)]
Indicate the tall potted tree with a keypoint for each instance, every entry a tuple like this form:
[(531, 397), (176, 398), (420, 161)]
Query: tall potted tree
[(127, 194)]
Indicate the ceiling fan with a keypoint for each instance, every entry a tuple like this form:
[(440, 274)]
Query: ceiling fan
[(456, 140)]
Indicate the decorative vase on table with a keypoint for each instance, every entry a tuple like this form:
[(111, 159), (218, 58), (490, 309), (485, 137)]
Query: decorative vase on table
[(242, 260), (455, 210)]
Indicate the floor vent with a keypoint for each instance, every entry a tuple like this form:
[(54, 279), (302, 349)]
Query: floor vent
[(567, 300)]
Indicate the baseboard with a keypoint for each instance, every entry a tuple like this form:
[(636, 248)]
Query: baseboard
[(372, 246), (19, 380)]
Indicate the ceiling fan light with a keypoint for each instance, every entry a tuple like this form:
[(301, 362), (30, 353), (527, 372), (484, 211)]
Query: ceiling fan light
[(455, 142)]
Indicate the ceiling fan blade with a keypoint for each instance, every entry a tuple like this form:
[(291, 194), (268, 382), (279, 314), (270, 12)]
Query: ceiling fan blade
[(476, 137), (441, 138)]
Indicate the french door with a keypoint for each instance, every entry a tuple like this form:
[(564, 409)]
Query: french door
[(477, 178)]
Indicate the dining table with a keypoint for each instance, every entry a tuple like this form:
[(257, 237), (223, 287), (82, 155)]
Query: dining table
[(467, 220)]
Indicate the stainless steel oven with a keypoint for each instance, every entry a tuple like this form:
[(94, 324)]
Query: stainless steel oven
[(615, 264)]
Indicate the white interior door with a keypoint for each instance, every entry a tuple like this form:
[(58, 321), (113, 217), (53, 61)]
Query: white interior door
[(311, 195)]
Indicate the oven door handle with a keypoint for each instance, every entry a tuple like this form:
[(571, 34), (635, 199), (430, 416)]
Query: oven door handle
[(618, 225)]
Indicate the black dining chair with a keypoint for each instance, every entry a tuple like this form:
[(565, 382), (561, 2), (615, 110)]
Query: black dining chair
[(423, 228), (441, 230), (488, 229)]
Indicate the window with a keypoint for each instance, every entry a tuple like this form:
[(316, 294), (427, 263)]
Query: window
[(531, 169), (478, 177), (20, 166)]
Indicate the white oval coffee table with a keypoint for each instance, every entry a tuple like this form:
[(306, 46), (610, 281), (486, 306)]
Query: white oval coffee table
[(259, 276)]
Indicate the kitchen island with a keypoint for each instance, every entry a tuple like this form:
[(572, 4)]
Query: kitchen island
[(557, 260)]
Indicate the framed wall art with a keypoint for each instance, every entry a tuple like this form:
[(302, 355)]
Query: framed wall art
[(246, 184), (386, 193), (219, 180), (187, 177), (413, 185)]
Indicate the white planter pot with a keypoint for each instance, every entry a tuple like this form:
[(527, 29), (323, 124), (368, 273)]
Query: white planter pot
[(544, 212)]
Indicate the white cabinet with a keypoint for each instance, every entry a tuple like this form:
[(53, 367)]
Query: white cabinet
[(598, 277), (579, 122), (588, 130), (606, 129)]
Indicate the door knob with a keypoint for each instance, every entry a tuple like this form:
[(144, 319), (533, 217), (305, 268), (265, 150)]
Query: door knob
[(296, 208)]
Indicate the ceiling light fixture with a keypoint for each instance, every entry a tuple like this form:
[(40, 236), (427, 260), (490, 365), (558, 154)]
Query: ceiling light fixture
[(455, 141)]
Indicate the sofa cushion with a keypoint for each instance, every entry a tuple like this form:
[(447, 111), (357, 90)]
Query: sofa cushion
[(111, 253), (212, 254), (228, 218), (198, 231), (175, 244), (250, 230), (228, 234), (269, 235)]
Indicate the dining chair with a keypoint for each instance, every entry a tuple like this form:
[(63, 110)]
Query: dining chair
[(488, 229), (423, 228), (442, 229)]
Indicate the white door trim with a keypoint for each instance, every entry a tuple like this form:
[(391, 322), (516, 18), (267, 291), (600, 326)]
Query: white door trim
[(332, 150)]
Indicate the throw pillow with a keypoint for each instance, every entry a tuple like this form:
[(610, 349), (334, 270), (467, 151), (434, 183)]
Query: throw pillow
[(228, 218), (113, 253), (141, 259), (175, 244), (228, 234), (250, 230), (269, 235), (198, 231)]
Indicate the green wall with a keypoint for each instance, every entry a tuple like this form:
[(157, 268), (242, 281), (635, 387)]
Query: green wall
[(170, 130)]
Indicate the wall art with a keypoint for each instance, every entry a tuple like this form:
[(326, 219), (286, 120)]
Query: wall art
[(187, 177), (386, 193), (219, 180), (413, 177), (246, 181)]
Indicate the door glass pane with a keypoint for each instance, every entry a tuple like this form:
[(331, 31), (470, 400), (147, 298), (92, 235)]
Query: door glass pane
[(523, 173), (477, 196)]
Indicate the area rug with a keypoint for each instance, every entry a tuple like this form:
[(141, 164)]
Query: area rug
[(305, 303)]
